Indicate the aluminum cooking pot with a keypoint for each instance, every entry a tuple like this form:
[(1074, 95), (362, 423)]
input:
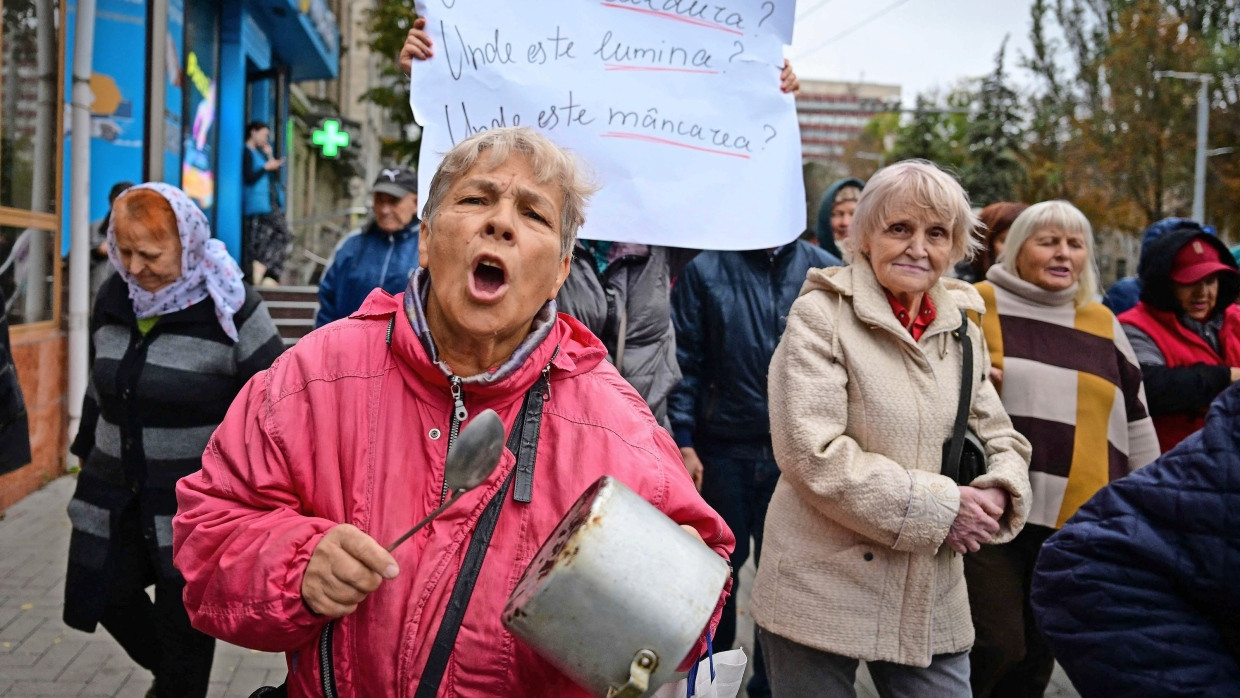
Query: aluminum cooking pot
[(618, 594)]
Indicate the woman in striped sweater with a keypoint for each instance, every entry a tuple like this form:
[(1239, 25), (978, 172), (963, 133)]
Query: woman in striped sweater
[(1070, 382), (174, 336)]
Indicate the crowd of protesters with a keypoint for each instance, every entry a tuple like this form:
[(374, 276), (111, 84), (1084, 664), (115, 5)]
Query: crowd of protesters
[(937, 438)]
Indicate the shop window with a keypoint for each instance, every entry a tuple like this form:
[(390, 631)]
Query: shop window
[(28, 78), (27, 273)]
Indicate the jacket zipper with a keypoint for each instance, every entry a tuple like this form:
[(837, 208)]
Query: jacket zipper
[(459, 415), (327, 674), (391, 242)]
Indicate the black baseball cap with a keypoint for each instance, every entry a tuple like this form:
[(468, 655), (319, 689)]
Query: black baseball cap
[(396, 181)]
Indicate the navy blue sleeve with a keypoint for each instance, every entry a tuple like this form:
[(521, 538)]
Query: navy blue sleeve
[(1131, 593), (687, 318)]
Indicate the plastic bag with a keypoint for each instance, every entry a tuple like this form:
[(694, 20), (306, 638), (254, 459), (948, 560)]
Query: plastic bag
[(717, 676)]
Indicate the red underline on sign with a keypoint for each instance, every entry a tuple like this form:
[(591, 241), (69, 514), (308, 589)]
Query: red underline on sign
[(616, 66), (664, 141), (678, 18)]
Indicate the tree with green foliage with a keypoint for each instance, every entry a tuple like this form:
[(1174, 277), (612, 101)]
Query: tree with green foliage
[(994, 138), (1098, 128), (388, 22), (937, 130), (1107, 134)]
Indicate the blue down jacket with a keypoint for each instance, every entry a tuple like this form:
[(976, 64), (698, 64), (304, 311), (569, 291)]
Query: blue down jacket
[(367, 259), (1139, 593), (729, 309)]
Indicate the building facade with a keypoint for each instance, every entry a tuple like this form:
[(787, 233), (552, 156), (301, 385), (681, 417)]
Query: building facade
[(174, 83), (176, 110), (832, 114), (31, 68)]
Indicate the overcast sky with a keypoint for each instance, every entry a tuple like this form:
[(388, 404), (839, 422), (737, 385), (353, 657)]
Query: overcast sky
[(918, 44)]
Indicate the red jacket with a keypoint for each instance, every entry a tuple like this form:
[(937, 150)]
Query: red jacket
[(343, 428), (1183, 347)]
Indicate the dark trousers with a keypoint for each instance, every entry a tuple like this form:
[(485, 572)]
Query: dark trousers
[(156, 635), (740, 490), (1009, 657)]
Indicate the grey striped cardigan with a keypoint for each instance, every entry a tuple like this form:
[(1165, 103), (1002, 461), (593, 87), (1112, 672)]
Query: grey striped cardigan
[(151, 405)]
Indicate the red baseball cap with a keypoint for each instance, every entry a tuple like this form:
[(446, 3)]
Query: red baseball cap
[(1197, 260)]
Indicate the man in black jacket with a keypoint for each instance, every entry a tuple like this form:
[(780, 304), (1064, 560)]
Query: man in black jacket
[(729, 310)]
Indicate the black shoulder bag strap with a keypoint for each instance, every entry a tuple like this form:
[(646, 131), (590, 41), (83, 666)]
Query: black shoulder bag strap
[(952, 467), (458, 602)]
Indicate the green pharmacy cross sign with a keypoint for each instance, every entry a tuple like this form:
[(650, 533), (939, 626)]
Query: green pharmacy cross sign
[(330, 138)]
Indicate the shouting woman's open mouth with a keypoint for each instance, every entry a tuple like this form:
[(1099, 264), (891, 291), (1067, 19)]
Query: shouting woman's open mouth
[(489, 279)]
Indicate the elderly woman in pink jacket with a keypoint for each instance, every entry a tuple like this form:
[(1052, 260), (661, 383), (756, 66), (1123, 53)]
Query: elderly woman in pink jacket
[(339, 448), (865, 532)]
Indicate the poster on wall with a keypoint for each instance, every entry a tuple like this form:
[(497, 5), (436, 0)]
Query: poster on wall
[(199, 132), (173, 90), (118, 113)]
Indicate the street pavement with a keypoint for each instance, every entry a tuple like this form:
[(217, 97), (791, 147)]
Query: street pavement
[(40, 656)]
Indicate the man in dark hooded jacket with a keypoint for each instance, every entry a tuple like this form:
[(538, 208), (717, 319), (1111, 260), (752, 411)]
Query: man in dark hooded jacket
[(835, 213), (730, 309), (1137, 593), (1125, 293)]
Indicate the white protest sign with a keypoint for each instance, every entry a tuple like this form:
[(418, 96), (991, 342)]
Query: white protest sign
[(674, 104)]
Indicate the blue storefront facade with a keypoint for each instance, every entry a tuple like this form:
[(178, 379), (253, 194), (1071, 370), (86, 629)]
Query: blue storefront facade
[(176, 81)]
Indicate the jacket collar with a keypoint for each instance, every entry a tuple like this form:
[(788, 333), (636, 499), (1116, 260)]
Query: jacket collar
[(568, 347), (1006, 280), (764, 255), (415, 310), (858, 282)]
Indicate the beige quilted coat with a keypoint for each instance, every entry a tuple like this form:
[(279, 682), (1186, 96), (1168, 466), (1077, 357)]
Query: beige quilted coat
[(854, 560)]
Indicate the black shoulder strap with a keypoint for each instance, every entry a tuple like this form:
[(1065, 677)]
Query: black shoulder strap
[(530, 427), (952, 467), (523, 446)]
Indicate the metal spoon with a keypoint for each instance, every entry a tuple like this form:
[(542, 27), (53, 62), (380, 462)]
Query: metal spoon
[(470, 462)]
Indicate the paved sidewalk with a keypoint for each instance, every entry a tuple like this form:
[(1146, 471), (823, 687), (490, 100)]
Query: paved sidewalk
[(40, 656)]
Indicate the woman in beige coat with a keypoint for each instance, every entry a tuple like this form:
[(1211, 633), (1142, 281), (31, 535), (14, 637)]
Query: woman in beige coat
[(864, 536)]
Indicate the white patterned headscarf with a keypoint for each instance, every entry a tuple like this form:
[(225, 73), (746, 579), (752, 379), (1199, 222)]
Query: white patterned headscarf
[(206, 267)]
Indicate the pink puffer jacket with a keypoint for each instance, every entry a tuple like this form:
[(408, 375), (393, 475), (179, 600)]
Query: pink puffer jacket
[(344, 428)]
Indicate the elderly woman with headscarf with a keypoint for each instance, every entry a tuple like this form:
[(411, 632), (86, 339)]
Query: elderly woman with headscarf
[(338, 449), (1185, 329), (1071, 384), (174, 336), (864, 535)]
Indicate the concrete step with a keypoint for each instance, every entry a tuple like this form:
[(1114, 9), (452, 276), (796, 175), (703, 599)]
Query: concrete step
[(308, 294), (294, 327), (292, 309)]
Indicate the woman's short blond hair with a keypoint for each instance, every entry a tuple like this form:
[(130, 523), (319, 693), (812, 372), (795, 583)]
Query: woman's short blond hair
[(915, 185), (550, 163), (1060, 215)]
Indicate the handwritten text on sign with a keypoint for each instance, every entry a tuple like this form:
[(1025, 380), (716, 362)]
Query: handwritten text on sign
[(675, 104)]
